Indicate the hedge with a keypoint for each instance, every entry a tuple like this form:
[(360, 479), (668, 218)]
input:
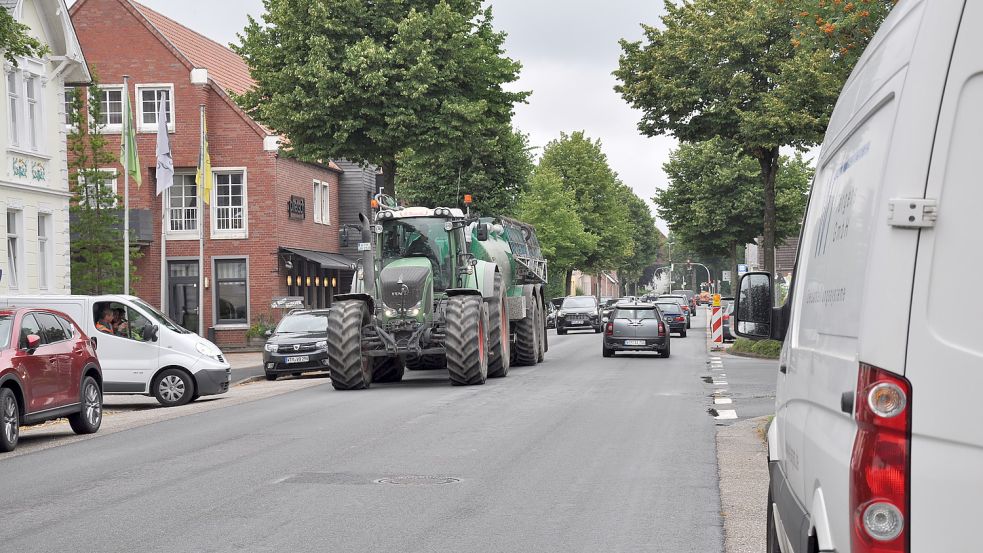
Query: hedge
[(770, 349)]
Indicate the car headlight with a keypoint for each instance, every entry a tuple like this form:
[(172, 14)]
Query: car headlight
[(322, 344), (560, 313), (272, 348), (208, 350)]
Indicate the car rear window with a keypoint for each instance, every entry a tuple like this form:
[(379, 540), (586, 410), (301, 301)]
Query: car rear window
[(574, 303), (639, 313), (670, 308)]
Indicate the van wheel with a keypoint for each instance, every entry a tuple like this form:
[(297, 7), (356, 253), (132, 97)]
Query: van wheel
[(89, 418), (9, 420), (771, 538), (173, 387)]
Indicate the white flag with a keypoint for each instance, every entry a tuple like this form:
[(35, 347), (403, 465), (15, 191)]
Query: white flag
[(165, 163)]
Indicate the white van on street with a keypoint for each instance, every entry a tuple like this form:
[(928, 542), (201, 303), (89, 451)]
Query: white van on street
[(142, 352), (876, 445)]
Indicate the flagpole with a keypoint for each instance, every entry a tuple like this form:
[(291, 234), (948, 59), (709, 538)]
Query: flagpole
[(126, 189), (201, 227)]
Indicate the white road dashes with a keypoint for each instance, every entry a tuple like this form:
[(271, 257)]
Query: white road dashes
[(719, 378)]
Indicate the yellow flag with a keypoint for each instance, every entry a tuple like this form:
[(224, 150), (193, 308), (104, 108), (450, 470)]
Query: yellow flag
[(204, 176)]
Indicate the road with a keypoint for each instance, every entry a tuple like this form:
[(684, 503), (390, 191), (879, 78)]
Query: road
[(579, 453)]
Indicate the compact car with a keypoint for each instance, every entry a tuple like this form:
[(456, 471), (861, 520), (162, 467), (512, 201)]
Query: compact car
[(299, 344), (673, 316), (578, 313), (635, 327)]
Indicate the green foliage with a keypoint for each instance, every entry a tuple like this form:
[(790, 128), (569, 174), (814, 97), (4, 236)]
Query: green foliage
[(15, 40), (368, 80), (583, 169), (97, 231), (770, 349), (496, 174), (260, 326), (645, 237), (840, 29), (551, 207)]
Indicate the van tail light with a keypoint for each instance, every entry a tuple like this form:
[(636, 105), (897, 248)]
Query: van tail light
[(680, 319), (880, 465), (662, 329), (609, 329)]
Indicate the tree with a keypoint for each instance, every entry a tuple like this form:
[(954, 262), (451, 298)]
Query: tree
[(97, 235), (366, 81), (728, 68), (496, 174), (646, 241), (15, 40), (583, 169), (552, 209), (840, 29), (713, 202)]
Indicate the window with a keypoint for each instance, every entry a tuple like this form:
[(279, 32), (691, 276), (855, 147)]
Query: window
[(182, 205), (13, 247), (150, 97), (111, 107), (69, 106), (32, 89), (29, 327), (13, 107), (53, 331), (231, 292), (67, 326), (322, 202), (229, 205), (107, 196), (44, 250), (24, 106)]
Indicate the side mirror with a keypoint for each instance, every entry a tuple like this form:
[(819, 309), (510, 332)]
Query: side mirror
[(33, 341), (268, 333), (343, 237), (149, 333), (482, 232), (753, 306)]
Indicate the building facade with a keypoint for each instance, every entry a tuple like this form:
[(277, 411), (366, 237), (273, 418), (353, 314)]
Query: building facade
[(271, 226), (34, 190)]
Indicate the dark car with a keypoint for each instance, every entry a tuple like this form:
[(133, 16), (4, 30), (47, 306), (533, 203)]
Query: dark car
[(299, 344), (728, 310), (673, 315), (578, 313), (690, 299), (607, 307), (48, 370), (550, 315), (683, 304), (635, 327)]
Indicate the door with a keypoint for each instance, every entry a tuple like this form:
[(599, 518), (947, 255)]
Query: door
[(39, 377), (58, 347), (182, 299), (128, 360)]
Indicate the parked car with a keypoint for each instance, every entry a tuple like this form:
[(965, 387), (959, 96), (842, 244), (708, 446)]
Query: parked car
[(578, 313), (635, 326), (728, 311), (149, 354), (298, 344), (48, 370), (673, 315), (877, 444), (607, 307), (683, 305)]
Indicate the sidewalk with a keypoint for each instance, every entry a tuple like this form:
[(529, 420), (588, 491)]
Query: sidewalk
[(742, 461), (244, 360)]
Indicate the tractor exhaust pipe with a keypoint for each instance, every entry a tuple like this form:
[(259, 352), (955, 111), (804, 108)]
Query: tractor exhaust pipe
[(368, 257)]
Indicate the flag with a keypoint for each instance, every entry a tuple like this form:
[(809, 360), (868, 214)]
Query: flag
[(204, 176), (128, 146), (165, 163)]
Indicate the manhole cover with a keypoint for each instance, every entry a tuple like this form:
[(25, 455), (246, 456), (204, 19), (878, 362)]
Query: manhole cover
[(417, 480)]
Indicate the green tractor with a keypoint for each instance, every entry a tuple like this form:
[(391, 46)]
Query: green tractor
[(439, 288)]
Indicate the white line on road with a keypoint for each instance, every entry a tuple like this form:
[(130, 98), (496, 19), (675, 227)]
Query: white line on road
[(720, 383), (722, 400), (726, 414)]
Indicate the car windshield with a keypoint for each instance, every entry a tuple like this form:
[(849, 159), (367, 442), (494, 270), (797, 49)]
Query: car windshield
[(419, 237), (160, 317), (6, 322), (670, 308), (576, 303), (303, 323), (637, 313)]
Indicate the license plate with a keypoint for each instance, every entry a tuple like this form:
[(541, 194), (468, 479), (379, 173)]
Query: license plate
[(299, 359), (634, 342), (576, 322)]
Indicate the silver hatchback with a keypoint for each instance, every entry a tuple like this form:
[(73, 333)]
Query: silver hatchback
[(635, 326)]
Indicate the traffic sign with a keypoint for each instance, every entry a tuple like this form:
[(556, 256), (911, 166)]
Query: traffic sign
[(726, 276), (716, 300), (741, 269)]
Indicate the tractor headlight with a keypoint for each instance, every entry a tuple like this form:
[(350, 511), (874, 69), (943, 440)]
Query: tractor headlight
[(449, 226), (391, 313), (413, 312)]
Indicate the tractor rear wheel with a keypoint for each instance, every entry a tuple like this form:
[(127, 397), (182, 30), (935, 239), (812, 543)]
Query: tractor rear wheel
[(498, 333), (527, 336), (467, 340), (349, 369), (540, 329), (387, 369)]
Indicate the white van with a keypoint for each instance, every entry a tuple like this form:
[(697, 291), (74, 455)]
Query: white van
[(147, 353), (872, 448)]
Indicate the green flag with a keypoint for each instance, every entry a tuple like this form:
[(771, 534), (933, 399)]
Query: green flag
[(129, 154)]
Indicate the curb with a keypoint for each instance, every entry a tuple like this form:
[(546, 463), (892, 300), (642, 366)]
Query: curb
[(749, 355), (742, 465)]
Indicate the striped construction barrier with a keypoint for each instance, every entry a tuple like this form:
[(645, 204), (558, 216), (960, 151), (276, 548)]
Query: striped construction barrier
[(717, 326)]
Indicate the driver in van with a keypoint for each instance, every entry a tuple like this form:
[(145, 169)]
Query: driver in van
[(105, 322)]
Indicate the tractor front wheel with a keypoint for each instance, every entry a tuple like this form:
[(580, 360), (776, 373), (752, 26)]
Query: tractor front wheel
[(467, 340), (349, 369)]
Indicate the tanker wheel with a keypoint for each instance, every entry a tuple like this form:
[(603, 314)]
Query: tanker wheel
[(541, 330), (349, 369), (467, 340), (387, 369), (499, 356), (526, 350)]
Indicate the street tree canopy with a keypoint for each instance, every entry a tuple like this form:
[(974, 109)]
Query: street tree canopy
[(15, 42), (646, 240), (367, 80)]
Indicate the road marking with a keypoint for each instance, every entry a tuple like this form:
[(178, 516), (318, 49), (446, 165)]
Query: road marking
[(722, 400), (726, 414), (720, 383)]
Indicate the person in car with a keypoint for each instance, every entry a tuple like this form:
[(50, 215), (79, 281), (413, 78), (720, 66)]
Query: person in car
[(105, 322), (120, 326)]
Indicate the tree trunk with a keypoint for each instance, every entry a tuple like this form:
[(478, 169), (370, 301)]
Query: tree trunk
[(733, 276), (568, 285), (389, 177), (769, 170)]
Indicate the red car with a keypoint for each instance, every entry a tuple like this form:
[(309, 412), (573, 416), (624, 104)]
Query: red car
[(48, 370)]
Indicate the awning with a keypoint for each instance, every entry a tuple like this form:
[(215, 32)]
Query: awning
[(325, 259)]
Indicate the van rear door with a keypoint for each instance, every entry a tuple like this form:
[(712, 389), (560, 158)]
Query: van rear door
[(945, 351)]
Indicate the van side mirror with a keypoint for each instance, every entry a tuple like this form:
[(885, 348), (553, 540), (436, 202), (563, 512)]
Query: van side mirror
[(150, 333), (33, 341), (482, 232), (343, 237), (753, 306)]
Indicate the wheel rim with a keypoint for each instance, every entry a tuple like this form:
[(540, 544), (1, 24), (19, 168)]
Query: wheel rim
[(92, 405), (171, 388), (11, 424)]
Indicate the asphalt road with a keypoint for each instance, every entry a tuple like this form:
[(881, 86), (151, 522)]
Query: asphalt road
[(579, 453)]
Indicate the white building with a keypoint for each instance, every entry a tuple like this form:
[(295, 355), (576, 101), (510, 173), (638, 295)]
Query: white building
[(34, 191)]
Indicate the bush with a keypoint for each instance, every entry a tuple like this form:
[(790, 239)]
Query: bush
[(762, 348)]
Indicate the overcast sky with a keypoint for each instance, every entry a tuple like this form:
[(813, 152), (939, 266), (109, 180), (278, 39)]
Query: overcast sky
[(568, 49)]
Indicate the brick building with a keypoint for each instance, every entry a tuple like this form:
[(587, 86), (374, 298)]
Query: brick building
[(271, 227)]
